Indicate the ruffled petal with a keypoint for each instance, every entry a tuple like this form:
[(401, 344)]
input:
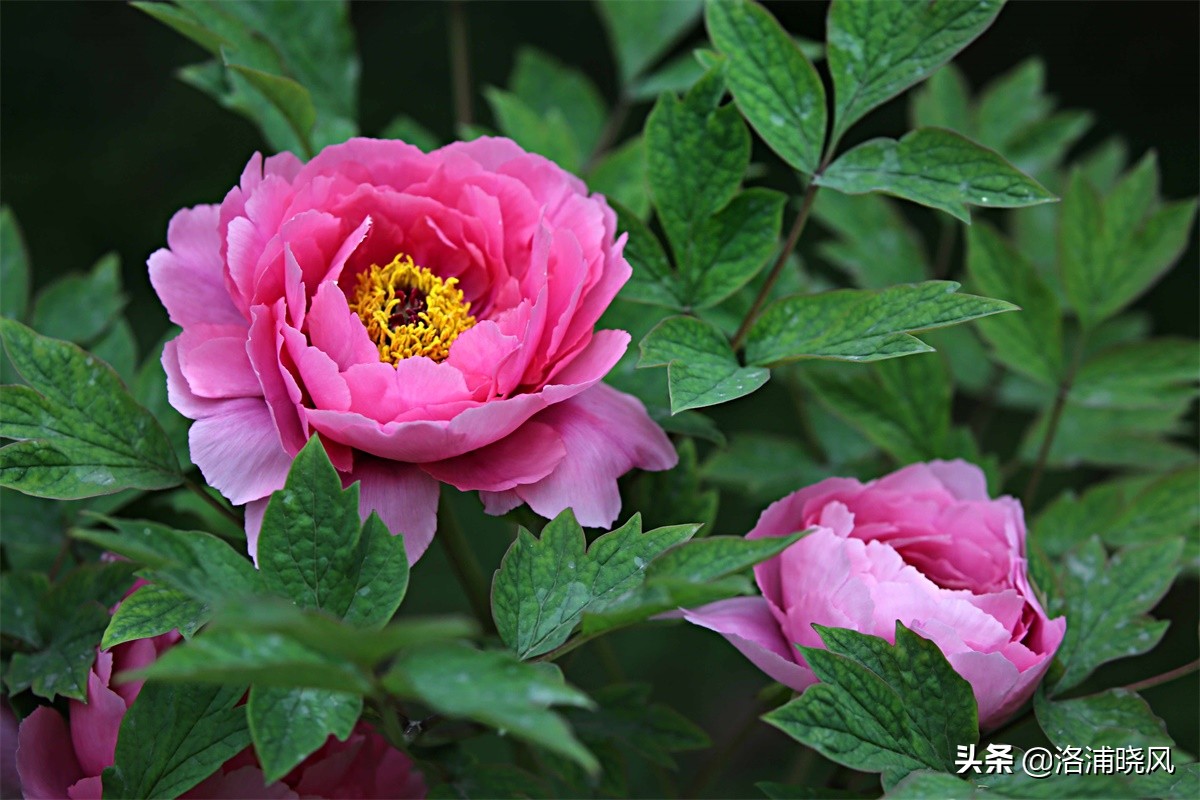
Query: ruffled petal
[(404, 497), (238, 451), (749, 626)]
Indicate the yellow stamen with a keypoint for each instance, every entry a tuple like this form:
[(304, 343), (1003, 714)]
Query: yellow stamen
[(409, 311)]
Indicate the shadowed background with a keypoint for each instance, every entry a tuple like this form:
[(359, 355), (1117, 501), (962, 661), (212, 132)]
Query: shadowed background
[(100, 145)]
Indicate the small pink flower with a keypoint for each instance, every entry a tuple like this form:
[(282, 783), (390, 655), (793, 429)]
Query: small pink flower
[(430, 316), (925, 546), (59, 759)]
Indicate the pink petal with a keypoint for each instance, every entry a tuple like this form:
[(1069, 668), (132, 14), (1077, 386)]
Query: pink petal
[(964, 480), (337, 331), (525, 456), (189, 277), (213, 360), (749, 626), (404, 497), (179, 393), (606, 434), (238, 451), (254, 511), (45, 756), (246, 782), (94, 725), (264, 348), (86, 789)]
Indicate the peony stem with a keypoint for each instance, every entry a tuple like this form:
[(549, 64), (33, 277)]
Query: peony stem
[(460, 65), (793, 238), (1060, 404), (463, 562), (1163, 677)]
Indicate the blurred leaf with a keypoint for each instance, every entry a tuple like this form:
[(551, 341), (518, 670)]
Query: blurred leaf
[(1113, 437), (696, 156), (677, 75), (935, 168), (491, 780), (1043, 144), (69, 620), (943, 102), (547, 135), (1012, 101), (853, 325), (621, 175), (640, 33), (881, 708), (314, 551), (877, 48), (20, 593), (1115, 718), (546, 85), (14, 267), (289, 724), (545, 585), (1112, 251), (291, 99), (151, 611), (1149, 374), (773, 82), (1103, 163), (701, 369), (407, 129), (627, 716), (496, 689), (78, 308), (1029, 342), (118, 349), (1106, 601), (79, 432), (967, 357), (762, 467), (34, 529), (874, 243), (149, 387), (676, 493), (174, 737)]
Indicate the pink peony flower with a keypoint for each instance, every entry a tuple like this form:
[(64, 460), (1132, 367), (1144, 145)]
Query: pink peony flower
[(924, 546), (429, 316), (59, 758)]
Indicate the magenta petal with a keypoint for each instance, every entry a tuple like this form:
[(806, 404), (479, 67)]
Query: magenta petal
[(337, 331), (86, 789), (189, 278), (404, 497), (606, 434), (213, 360), (964, 480), (749, 626), (45, 756), (525, 456), (238, 451), (242, 783), (94, 725)]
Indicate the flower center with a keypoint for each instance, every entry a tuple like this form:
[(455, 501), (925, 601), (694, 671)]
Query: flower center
[(408, 311)]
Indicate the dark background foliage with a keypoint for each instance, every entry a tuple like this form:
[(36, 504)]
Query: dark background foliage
[(101, 145)]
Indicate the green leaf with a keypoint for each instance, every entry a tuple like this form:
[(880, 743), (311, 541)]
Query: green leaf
[(621, 176), (677, 75), (1114, 437), (640, 33), (943, 102), (545, 585), (182, 22), (881, 708), (149, 388), (1029, 342), (676, 493), (877, 48), (496, 689), (546, 85), (21, 592), (1011, 102), (407, 129), (474, 780), (1112, 251), (762, 467), (80, 433), (696, 156), (548, 135), (14, 267), (227, 656), (1106, 603), (175, 736), (291, 99), (1115, 718), (287, 725), (1043, 144), (731, 247), (853, 325), (773, 82), (313, 550), (34, 529), (153, 610), (78, 308), (627, 716), (701, 369), (118, 349), (1148, 374), (69, 620), (653, 281), (200, 565), (875, 243), (936, 168)]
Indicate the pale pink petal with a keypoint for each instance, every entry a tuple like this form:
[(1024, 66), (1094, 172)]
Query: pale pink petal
[(254, 511), (179, 393), (213, 360), (964, 480), (404, 497), (45, 756), (749, 626), (264, 347), (238, 451)]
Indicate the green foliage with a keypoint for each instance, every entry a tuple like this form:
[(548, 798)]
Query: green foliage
[(881, 708), (874, 244), (288, 723), (1115, 718), (936, 168), (877, 48), (79, 308), (151, 611), (79, 432), (773, 82), (174, 737), (861, 326), (545, 585), (701, 369), (14, 267), (1106, 601), (640, 33)]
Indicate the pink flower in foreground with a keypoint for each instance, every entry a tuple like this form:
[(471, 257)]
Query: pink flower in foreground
[(429, 316), (924, 546), (59, 759)]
